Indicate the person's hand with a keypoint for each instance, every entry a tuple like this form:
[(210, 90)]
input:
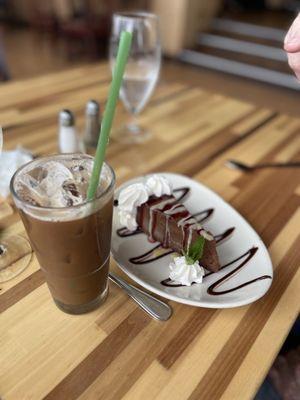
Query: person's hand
[(292, 46)]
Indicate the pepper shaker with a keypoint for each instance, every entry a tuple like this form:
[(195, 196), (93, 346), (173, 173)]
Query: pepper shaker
[(92, 125)]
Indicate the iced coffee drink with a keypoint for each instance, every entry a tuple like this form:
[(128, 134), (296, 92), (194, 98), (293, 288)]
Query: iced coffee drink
[(70, 235)]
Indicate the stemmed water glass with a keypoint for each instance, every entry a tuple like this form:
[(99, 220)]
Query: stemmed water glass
[(15, 250), (142, 68)]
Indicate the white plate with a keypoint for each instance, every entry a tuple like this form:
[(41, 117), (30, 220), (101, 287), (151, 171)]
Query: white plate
[(238, 243)]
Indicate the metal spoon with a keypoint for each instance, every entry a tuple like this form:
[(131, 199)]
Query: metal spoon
[(248, 168), (155, 308)]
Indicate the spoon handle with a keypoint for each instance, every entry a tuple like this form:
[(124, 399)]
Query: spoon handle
[(155, 308), (248, 168), (289, 164)]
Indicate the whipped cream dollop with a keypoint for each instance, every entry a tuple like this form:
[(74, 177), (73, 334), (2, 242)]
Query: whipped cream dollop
[(136, 194), (129, 199), (158, 185), (184, 273), (128, 219)]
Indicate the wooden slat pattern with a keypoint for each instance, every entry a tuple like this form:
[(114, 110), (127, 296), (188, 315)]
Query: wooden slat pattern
[(117, 351)]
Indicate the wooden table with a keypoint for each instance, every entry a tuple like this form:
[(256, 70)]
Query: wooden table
[(117, 351)]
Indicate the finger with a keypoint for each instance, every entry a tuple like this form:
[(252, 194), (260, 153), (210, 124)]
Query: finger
[(292, 38), (294, 63), (292, 47)]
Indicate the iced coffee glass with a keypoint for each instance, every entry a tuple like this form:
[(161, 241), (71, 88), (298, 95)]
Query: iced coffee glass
[(69, 234)]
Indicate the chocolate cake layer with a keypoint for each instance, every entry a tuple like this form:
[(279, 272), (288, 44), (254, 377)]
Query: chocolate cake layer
[(170, 223)]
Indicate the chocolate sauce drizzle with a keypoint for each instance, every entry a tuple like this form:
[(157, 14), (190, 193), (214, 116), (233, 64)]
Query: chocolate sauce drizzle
[(183, 192), (158, 251), (205, 215), (124, 232), (146, 258), (245, 257), (211, 289), (223, 236)]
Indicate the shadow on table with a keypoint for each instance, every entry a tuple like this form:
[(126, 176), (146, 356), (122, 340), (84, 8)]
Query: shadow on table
[(283, 381)]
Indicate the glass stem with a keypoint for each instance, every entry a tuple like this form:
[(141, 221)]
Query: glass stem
[(132, 125), (2, 249)]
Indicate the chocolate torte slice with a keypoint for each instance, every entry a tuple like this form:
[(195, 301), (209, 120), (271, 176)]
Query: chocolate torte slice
[(166, 221)]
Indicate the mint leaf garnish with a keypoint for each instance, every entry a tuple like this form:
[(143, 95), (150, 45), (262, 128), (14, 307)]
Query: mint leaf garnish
[(195, 251), (188, 259)]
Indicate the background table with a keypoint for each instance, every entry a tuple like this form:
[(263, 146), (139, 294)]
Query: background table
[(117, 351)]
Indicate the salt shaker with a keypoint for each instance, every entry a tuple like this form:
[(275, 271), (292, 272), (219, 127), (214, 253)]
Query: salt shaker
[(92, 124), (68, 141)]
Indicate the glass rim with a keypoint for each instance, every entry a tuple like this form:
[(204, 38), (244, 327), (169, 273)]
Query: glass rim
[(77, 206), (130, 15)]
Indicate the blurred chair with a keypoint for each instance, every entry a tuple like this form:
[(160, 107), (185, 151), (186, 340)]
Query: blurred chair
[(4, 71), (42, 16), (85, 25)]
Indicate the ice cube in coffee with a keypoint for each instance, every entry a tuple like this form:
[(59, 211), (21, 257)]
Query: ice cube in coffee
[(70, 235)]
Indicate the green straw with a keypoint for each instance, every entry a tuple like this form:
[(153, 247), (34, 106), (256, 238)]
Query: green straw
[(123, 51)]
